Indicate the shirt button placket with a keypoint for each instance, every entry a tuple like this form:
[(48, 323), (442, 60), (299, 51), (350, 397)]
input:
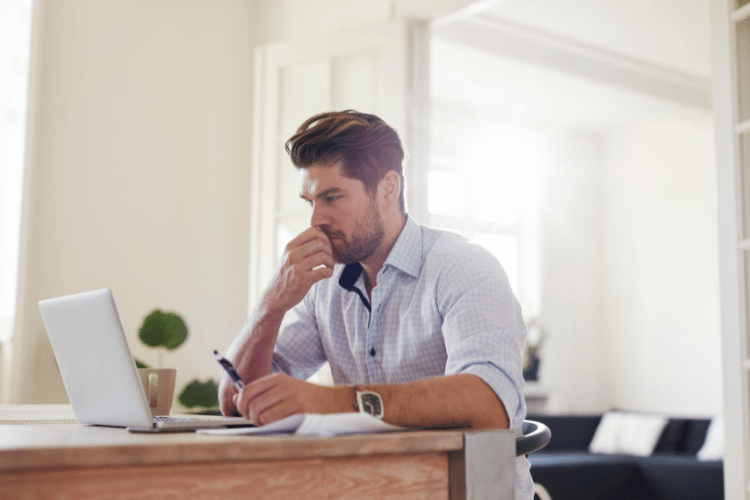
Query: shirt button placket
[(373, 371), (374, 368)]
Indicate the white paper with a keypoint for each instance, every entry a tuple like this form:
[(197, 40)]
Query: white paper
[(36, 414), (311, 424)]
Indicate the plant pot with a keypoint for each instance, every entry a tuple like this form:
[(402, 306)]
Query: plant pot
[(531, 372)]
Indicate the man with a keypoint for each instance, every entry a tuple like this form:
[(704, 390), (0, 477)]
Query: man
[(420, 328)]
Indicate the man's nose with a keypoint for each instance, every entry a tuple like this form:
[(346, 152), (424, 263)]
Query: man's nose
[(319, 216)]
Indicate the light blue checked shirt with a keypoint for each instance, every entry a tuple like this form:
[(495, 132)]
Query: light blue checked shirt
[(441, 306)]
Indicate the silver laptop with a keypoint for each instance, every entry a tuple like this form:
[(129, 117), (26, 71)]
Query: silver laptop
[(99, 371)]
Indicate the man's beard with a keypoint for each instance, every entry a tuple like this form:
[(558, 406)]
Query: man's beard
[(366, 238)]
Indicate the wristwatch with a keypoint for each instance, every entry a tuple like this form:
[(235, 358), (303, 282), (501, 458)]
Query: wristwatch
[(369, 402)]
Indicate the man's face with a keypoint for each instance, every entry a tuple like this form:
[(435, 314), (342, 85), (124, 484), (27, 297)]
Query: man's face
[(344, 211)]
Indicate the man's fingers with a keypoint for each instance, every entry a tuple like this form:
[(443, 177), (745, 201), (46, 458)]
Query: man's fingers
[(316, 260), (226, 397), (309, 236), (268, 406), (310, 248), (308, 258), (251, 391), (277, 411), (242, 409), (259, 397), (304, 273), (321, 272)]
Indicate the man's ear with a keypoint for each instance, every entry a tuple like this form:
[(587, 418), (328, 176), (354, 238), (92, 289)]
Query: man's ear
[(390, 188)]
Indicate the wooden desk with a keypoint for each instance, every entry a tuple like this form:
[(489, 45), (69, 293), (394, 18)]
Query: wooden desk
[(76, 461)]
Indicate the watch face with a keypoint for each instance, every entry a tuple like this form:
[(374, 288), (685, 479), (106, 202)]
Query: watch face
[(372, 404)]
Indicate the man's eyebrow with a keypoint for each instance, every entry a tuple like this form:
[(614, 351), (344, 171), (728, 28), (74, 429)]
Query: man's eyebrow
[(323, 194)]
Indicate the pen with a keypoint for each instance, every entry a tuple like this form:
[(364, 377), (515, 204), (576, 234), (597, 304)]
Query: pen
[(229, 368)]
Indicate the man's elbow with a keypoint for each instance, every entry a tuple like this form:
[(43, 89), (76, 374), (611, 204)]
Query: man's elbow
[(496, 419), (492, 415)]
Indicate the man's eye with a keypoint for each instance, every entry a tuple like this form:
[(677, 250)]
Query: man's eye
[(331, 199)]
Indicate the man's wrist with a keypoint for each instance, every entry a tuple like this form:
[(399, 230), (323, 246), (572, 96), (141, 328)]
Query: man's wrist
[(270, 312), (345, 399)]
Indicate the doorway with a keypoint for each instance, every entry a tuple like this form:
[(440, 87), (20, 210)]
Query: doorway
[(579, 150)]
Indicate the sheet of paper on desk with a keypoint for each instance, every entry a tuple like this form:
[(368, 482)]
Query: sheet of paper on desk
[(36, 414), (310, 424)]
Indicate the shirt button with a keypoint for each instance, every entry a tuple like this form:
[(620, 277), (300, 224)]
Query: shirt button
[(372, 352)]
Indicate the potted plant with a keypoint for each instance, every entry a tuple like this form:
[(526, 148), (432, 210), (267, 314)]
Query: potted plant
[(534, 339), (166, 331)]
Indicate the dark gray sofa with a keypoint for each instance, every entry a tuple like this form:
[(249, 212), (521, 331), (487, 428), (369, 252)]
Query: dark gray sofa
[(673, 472)]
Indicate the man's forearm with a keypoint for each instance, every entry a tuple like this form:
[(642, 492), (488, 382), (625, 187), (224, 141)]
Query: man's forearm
[(450, 401), (252, 351), (307, 259)]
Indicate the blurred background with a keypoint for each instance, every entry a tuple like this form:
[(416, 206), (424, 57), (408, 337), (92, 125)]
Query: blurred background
[(574, 140)]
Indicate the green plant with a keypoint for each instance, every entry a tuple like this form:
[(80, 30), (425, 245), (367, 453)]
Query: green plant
[(163, 331), (167, 332), (200, 395)]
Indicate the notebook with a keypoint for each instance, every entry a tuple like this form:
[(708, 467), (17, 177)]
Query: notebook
[(98, 369)]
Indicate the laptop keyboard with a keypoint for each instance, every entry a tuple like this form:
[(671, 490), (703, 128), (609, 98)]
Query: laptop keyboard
[(167, 418)]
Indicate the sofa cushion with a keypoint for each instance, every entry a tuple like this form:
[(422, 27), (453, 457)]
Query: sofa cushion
[(696, 435), (673, 436), (628, 432), (713, 446)]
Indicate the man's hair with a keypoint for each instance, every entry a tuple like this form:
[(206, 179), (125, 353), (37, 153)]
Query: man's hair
[(366, 146)]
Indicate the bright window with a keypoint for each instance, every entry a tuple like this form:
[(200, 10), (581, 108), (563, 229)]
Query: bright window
[(446, 194), (15, 41), (483, 183), (505, 249)]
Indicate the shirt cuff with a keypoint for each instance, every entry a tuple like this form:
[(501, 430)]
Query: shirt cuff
[(503, 386)]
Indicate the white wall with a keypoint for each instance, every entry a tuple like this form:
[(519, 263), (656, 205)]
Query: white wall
[(628, 276), (139, 160), (629, 270), (662, 331), (278, 20), (572, 273), (139, 173), (626, 326)]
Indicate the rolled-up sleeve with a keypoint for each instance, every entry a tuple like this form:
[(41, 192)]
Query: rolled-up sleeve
[(483, 328)]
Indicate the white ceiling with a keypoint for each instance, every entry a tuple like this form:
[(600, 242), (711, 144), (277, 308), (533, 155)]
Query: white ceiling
[(669, 36), (671, 33)]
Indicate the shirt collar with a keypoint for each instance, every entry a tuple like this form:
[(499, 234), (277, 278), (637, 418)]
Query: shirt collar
[(406, 256), (350, 275)]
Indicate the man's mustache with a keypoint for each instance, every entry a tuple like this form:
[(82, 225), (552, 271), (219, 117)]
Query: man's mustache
[(332, 234)]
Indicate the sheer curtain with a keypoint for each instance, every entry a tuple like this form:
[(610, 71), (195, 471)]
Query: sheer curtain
[(15, 42)]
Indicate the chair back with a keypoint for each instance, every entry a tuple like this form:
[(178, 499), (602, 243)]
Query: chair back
[(535, 436)]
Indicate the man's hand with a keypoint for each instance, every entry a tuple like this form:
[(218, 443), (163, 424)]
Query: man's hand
[(307, 259), (276, 396), (227, 390)]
